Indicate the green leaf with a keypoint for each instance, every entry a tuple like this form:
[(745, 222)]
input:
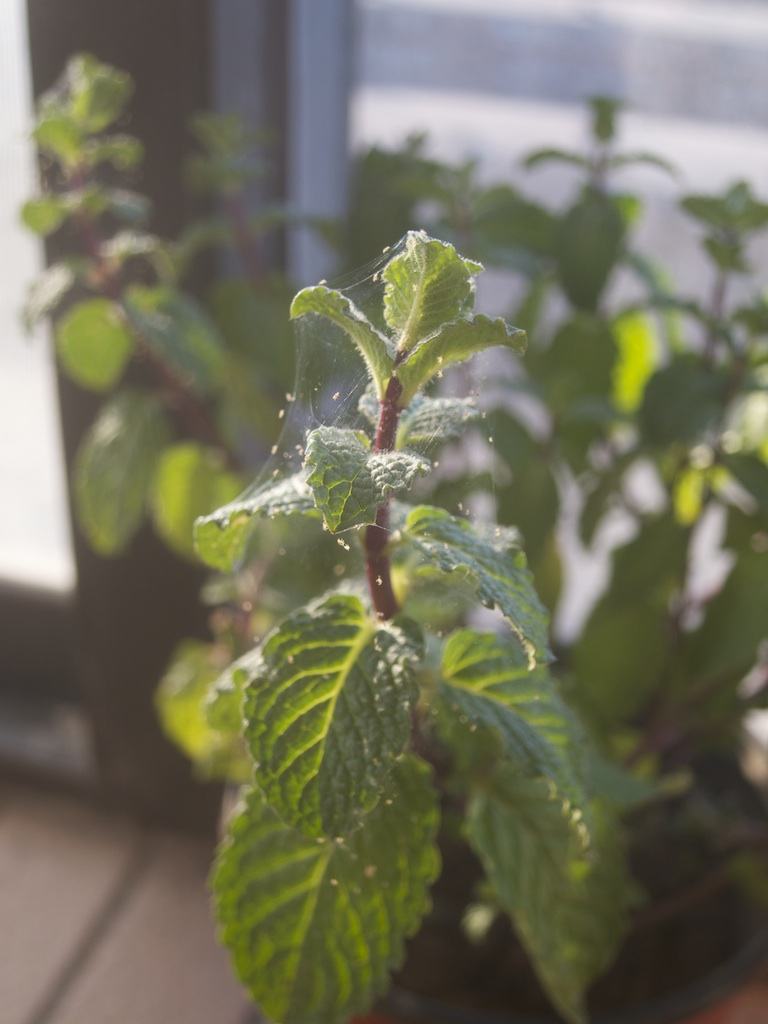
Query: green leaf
[(727, 254), (221, 538), (752, 474), (531, 502), (57, 134), (223, 706), (630, 207), (329, 711), (619, 658), (190, 481), (179, 331), (601, 498), (426, 285), (747, 424), (688, 493), (569, 907), (618, 661), (734, 626), (46, 292), (493, 564), (590, 241), (578, 365), (453, 343), (621, 788), (255, 323), (649, 567), (180, 701), (487, 684), (551, 154), (372, 345), (641, 157), (659, 284), (512, 231), (45, 215), (94, 343), (736, 210), (638, 356), (98, 93), (124, 152), (754, 316), (681, 401), (429, 421), (349, 481), (604, 110), (114, 468), (315, 927), (529, 312)]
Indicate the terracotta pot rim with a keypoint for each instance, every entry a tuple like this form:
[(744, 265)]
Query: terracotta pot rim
[(701, 995)]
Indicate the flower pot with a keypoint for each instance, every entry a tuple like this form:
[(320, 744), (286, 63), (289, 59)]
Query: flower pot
[(732, 994)]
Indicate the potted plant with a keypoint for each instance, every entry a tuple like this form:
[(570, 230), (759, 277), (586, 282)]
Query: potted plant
[(405, 701)]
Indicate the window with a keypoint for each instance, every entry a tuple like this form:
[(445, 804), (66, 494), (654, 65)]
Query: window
[(34, 534)]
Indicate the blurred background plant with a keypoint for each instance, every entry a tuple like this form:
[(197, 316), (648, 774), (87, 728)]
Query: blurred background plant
[(217, 366), (634, 433)]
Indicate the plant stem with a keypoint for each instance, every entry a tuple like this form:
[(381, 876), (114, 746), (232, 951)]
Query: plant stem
[(717, 312), (377, 565)]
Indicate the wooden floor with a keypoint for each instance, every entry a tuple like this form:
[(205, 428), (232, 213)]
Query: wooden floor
[(103, 923)]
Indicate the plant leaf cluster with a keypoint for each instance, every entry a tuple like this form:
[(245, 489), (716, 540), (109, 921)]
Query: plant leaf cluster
[(335, 696)]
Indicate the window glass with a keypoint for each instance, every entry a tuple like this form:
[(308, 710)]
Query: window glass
[(494, 79), (34, 533)]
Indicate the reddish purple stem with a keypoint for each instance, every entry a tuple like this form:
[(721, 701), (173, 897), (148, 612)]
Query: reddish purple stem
[(377, 565)]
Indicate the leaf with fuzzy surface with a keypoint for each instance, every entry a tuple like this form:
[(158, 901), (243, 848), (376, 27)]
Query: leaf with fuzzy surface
[(328, 712), (314, 928), (569, 906), (487, 683), (372, 345), (427, 421), (453, 343), (221, 538), (349, 481), (494, 564), (426, 285)]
